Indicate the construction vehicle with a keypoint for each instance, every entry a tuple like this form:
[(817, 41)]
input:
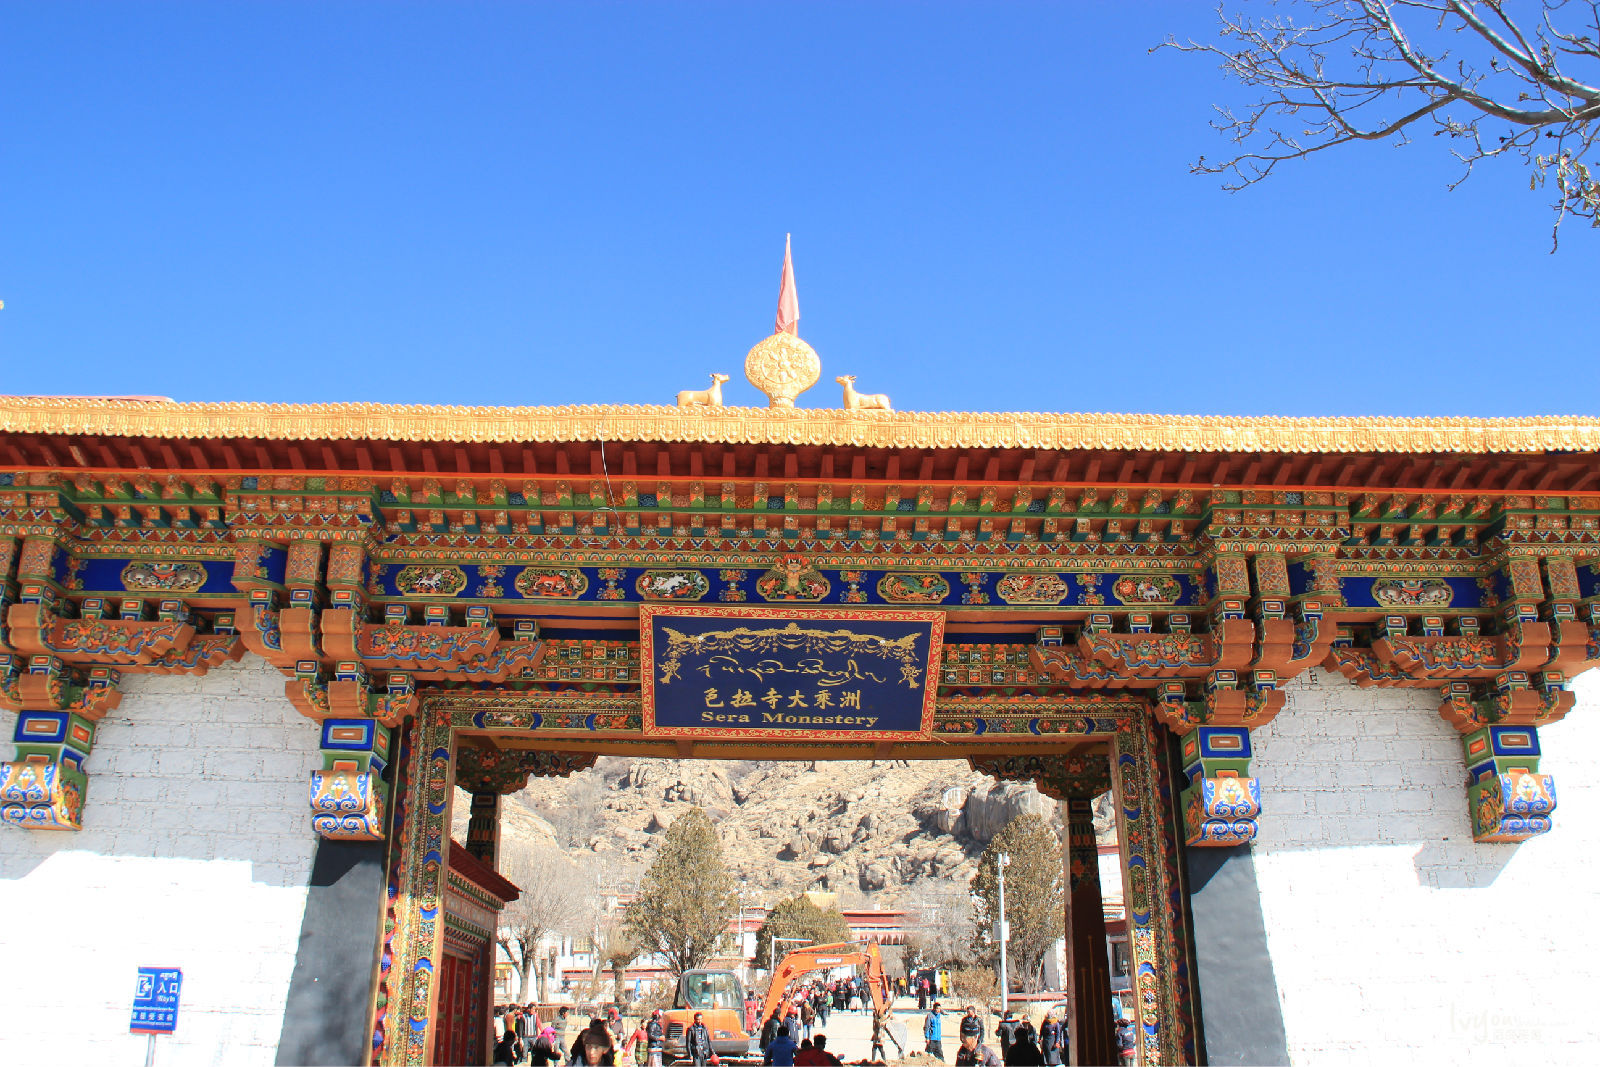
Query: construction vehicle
[(719, 997), (803, 961)]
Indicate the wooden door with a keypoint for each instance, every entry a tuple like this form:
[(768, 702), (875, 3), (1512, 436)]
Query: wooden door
[(453, 1029)]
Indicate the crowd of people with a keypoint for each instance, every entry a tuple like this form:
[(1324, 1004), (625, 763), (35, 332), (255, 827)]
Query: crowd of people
[(790, 1037), (805, 1011), (522, 1038)]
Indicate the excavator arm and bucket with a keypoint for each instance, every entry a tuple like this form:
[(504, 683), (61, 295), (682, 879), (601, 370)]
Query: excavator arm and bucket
[(803, 961)]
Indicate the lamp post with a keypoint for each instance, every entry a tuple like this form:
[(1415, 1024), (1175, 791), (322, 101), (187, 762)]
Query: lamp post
[(1004, 933), (744, 884), (772, 949)]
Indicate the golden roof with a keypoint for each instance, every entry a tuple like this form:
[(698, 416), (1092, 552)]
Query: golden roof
[(118, 417)]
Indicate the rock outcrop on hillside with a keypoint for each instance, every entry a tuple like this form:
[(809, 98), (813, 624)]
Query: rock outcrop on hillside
[(880, 833)]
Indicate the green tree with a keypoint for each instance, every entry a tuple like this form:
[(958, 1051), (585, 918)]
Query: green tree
[(686, 897), (799, 917), (1035, 905)]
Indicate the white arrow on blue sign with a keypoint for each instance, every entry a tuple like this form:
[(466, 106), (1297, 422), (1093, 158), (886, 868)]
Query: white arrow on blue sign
[(155, 1000)]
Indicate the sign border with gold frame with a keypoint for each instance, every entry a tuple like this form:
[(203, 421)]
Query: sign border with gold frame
[(647, 672)]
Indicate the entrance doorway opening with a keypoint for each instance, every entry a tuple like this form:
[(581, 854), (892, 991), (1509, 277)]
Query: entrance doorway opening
[(881, 850)]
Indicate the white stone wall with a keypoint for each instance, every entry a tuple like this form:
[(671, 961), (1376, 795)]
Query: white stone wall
[(1393, 936), (195, 853)]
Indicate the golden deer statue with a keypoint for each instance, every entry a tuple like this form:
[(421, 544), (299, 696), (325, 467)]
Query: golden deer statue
[(854, 401), (711, 397)]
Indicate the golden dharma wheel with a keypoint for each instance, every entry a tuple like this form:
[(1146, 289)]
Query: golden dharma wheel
[(782, 366)]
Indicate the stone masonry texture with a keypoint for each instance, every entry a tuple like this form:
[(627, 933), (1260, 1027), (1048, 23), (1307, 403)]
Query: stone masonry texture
[(195, 853), (1393, 936)]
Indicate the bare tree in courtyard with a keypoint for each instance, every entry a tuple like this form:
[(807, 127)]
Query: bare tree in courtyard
[(553, 900), (943, 935), (686, 897), (618, 949), (1333, 72)]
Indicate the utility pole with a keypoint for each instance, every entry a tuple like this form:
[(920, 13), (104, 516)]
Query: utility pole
[(1004, 933)]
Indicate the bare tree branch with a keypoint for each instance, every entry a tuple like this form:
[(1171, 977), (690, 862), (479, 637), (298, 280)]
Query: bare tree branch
[(1347, 70), (554, 901)]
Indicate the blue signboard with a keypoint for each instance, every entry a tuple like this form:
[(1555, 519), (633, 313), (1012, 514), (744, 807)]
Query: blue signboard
[(155, 1000), (789, 673)]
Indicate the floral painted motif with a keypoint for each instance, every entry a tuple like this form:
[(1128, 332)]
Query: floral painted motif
[(430, 579), (1147, 589), (1412, 592), (345, 806), (1031, 589), (490, 586), (672, 585), (156, 576), (900, 588), (41, 795), (566, 583), (731, 585)]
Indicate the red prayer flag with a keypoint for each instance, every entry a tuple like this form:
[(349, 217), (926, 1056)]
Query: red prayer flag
[(788, 302)]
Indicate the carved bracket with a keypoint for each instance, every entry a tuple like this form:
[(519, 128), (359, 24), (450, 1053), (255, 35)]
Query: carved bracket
[(349, 795), (1060, 777), (1222, 802), (43, 787), (508, 770), (1507, 798)]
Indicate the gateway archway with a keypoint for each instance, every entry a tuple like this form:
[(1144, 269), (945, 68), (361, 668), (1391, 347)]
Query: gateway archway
[(489, 742), (429, 582)]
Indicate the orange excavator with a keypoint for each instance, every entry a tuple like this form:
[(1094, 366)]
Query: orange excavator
[(719, 996), (803, 961)]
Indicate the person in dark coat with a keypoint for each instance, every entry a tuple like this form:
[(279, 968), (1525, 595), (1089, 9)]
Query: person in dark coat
[(1125, 1040), (655, 1039), (1006, 1031), (697, 1041), (769, 1029), (973, 1053), (505, 1050), (971, 1025), (1023, 1052), (1052, 1040)]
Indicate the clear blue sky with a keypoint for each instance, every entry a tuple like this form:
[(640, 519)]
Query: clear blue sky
[(555, 203)]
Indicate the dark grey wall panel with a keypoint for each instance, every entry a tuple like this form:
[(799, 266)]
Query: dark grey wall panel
[(1241, 1019), (330, 992)]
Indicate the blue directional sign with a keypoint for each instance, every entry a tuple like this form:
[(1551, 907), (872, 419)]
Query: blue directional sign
[(155, 1000)]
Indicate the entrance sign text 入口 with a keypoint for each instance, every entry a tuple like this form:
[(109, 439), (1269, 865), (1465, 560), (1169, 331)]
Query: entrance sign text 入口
[(155, 1000), (794, 673)]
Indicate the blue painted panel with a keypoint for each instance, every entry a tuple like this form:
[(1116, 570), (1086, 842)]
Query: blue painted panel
[(1412, 594), (105, 576)]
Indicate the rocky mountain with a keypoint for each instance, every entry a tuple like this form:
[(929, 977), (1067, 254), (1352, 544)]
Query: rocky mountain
[(879, 833)]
